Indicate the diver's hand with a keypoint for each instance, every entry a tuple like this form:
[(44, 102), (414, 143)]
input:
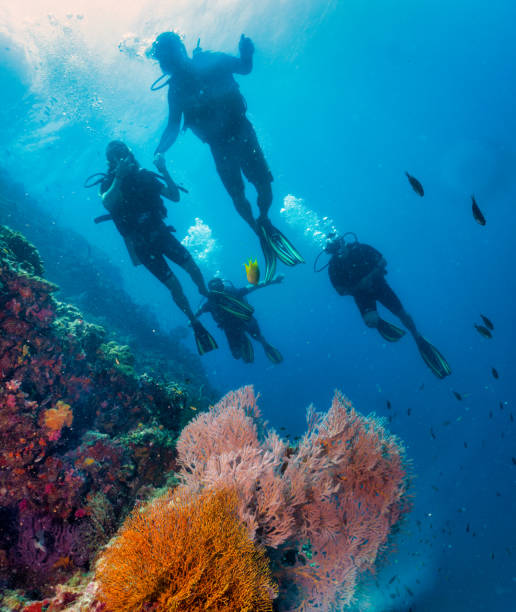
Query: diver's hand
[(124, 167), (160, 162), (245, 46)]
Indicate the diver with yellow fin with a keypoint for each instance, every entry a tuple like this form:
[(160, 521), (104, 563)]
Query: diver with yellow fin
[(132, 196), (237, 327), (359, 270), (203, 92)]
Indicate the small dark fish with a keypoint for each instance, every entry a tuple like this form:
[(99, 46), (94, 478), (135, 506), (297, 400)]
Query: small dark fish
[(490, 414), (409, 410), (465, 445), (415, 184), (432, 433), (483, 331), (283, 428), (487, 322), (393, 579), (477, 214), (467, 528), (501, 405), (409, 591), (457, 395), (492, 556), (389, 406), (422, 386), (446, 423), (494, 372), (513, 460)]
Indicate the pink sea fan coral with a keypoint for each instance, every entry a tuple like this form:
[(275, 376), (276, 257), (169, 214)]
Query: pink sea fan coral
[(337, 495)]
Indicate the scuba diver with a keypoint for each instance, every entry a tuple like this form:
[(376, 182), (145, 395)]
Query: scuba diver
[(132, 195), (239, 323), (359, 270), (203, 91)]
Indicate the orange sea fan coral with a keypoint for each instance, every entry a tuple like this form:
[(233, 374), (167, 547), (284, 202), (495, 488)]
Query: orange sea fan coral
[(185, 552), (56, 418)]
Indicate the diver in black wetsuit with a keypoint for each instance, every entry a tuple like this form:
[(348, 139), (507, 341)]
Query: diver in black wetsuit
[(203, 90), (132, 195), (238, 325), (359, 270)]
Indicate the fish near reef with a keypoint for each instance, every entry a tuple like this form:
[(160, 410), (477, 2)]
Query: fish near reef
[(487, 322), (252, 272), (415, 184), (477, 213), (483, 331)]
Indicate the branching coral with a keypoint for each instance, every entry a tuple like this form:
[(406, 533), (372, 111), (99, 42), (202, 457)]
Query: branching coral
[(185, 552)]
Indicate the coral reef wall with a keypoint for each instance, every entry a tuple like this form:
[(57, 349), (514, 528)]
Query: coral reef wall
[(87, 280), (82, 435)]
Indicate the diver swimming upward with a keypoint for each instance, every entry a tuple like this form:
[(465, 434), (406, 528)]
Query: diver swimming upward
[(359, 270), (132, 195), (203, 91)]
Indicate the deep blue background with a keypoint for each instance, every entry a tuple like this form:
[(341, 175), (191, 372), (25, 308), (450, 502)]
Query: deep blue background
[(345, 97)]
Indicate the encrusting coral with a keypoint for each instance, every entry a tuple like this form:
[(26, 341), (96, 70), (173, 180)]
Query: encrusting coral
[(77, 425), (185, 552)]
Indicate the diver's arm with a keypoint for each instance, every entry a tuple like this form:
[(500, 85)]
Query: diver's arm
[(171, 191), (204, 308), (113, 197), (244, 63), (274, 281), (171, 132)]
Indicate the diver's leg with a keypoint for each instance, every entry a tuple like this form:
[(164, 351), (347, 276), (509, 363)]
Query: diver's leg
[(255, 168), (177, 252), (157, 266), (366, 304), (228, 169), (391, 301), (264, 200), (174, 286), (235, 342), (253, 329)]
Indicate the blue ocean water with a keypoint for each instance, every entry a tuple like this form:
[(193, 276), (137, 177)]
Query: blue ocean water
[(345, 97)]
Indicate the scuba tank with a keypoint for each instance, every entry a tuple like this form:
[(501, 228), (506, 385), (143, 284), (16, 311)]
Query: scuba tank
[(334, 245)]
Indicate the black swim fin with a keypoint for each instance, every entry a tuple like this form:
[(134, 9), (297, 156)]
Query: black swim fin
[(284, 250), (247, 350), (232, 305), (270, 259), (272, 354), (389, 332), (433, 358), (203, 339)]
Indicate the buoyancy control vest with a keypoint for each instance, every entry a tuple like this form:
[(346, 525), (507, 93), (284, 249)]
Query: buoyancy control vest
[(208, 95), (348, 266), (142, 208)]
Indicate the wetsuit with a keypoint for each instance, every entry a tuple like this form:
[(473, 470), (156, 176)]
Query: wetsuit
[(214, 109), (234, 329), (347, 268), (140, 220)]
